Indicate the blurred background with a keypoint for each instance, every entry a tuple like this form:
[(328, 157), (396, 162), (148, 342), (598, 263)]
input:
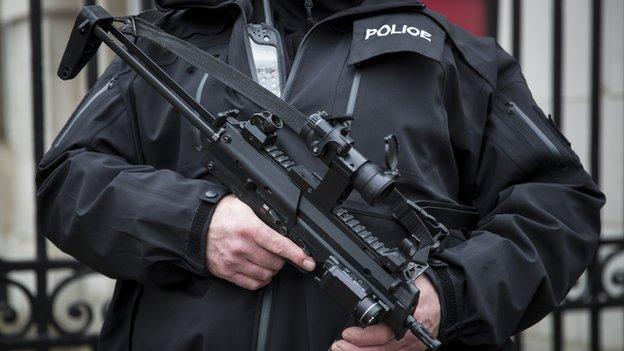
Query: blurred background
[(572, 53)]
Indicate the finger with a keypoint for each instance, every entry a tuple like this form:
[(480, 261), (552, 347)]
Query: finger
[(282, 246), (252, 270), (263, 258), (378, 334), (246, 282), (343, 345)]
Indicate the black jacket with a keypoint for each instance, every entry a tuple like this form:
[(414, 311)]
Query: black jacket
[(122, 188)]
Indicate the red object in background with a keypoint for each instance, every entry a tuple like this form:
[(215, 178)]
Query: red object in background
[(469, 14)]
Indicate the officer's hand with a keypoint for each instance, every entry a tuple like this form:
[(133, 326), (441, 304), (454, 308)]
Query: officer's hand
[(245, 251), (380, 337)]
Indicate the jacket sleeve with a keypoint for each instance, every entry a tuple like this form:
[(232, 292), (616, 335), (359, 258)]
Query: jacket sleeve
[(124, 219), (539, 226)]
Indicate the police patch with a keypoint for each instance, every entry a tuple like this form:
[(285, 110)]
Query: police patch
[(392, 33)]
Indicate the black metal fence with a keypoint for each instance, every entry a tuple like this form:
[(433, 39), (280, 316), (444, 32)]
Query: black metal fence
[(42, 330)]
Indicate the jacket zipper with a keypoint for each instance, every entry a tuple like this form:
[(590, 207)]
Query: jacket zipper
[(355, 86), (265, 317), (515, 110), (296, 62), (268, 291), (84, 107)]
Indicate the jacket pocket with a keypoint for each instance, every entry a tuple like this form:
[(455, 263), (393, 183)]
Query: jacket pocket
[(217, 52), (80, 112), (538, 145), (554, 129), (552, 126), (515, 111)]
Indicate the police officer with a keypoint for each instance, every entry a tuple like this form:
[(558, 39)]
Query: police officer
[(123, 190)]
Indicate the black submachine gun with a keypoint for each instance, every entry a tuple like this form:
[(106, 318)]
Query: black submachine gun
[(373, 282)]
